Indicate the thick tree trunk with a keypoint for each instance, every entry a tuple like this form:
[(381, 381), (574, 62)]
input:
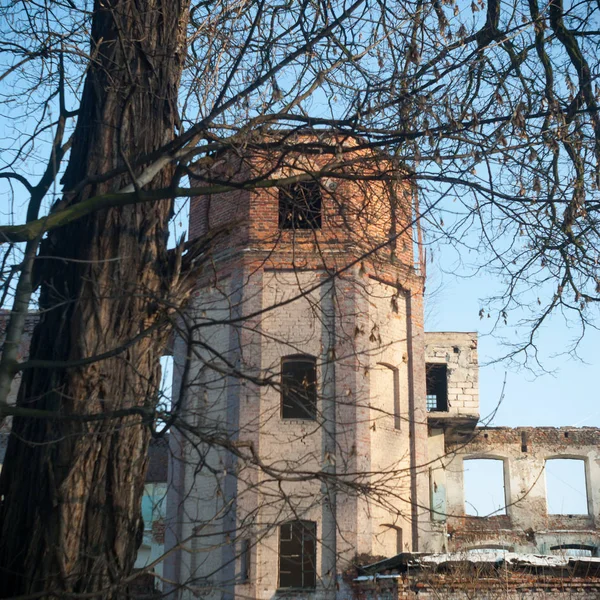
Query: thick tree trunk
[(70, 517)]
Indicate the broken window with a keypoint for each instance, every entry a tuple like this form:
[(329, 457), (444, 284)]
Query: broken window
[(299, 387), (437, 386), (574, 550), (484, 487), (495, 551), (566, 490), (298, 555), (300, 205)]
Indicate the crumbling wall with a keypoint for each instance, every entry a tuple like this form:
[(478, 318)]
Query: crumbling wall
[(532, 588), (463, 576), (457, 350), (527, 525)]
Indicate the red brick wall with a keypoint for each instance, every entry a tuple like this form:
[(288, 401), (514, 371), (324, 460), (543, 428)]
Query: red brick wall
[(365, 203)]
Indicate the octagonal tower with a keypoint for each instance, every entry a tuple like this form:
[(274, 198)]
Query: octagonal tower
[(306, 378)]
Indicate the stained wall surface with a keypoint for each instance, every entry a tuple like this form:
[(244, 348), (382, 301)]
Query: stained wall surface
[(276, 293), (527, 525)]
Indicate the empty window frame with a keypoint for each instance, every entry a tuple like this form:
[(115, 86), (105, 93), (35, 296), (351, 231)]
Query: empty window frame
[(566, 489), (489, 551), (165, 392), (484, 491), (574, 550), (299, 387), (245, 556), (300, 206), (298, 554), (437, 386)]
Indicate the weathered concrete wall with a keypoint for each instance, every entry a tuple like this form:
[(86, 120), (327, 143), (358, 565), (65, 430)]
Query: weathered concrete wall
[(527, 525), (372, 438)]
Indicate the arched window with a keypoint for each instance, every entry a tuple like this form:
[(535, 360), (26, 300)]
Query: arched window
[(299, 387), (574, 550), (298, 554)]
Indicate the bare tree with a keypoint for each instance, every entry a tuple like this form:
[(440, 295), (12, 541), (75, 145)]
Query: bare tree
[(494, 104), (80, 525)]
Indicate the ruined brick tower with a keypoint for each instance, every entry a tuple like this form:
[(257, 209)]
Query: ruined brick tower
[(307, 376)]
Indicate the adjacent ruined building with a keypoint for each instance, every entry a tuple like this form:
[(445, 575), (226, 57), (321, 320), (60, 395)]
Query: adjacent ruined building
[(524, 522)]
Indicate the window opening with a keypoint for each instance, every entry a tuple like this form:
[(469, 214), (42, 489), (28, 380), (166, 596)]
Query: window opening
[(524, 441), (165, 391), (298, 555), (437, 386), (245, 560), (485, 495), (300, 205), (566, 490), (299, 387), (574, 550), (489, 551), (166, 382)]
